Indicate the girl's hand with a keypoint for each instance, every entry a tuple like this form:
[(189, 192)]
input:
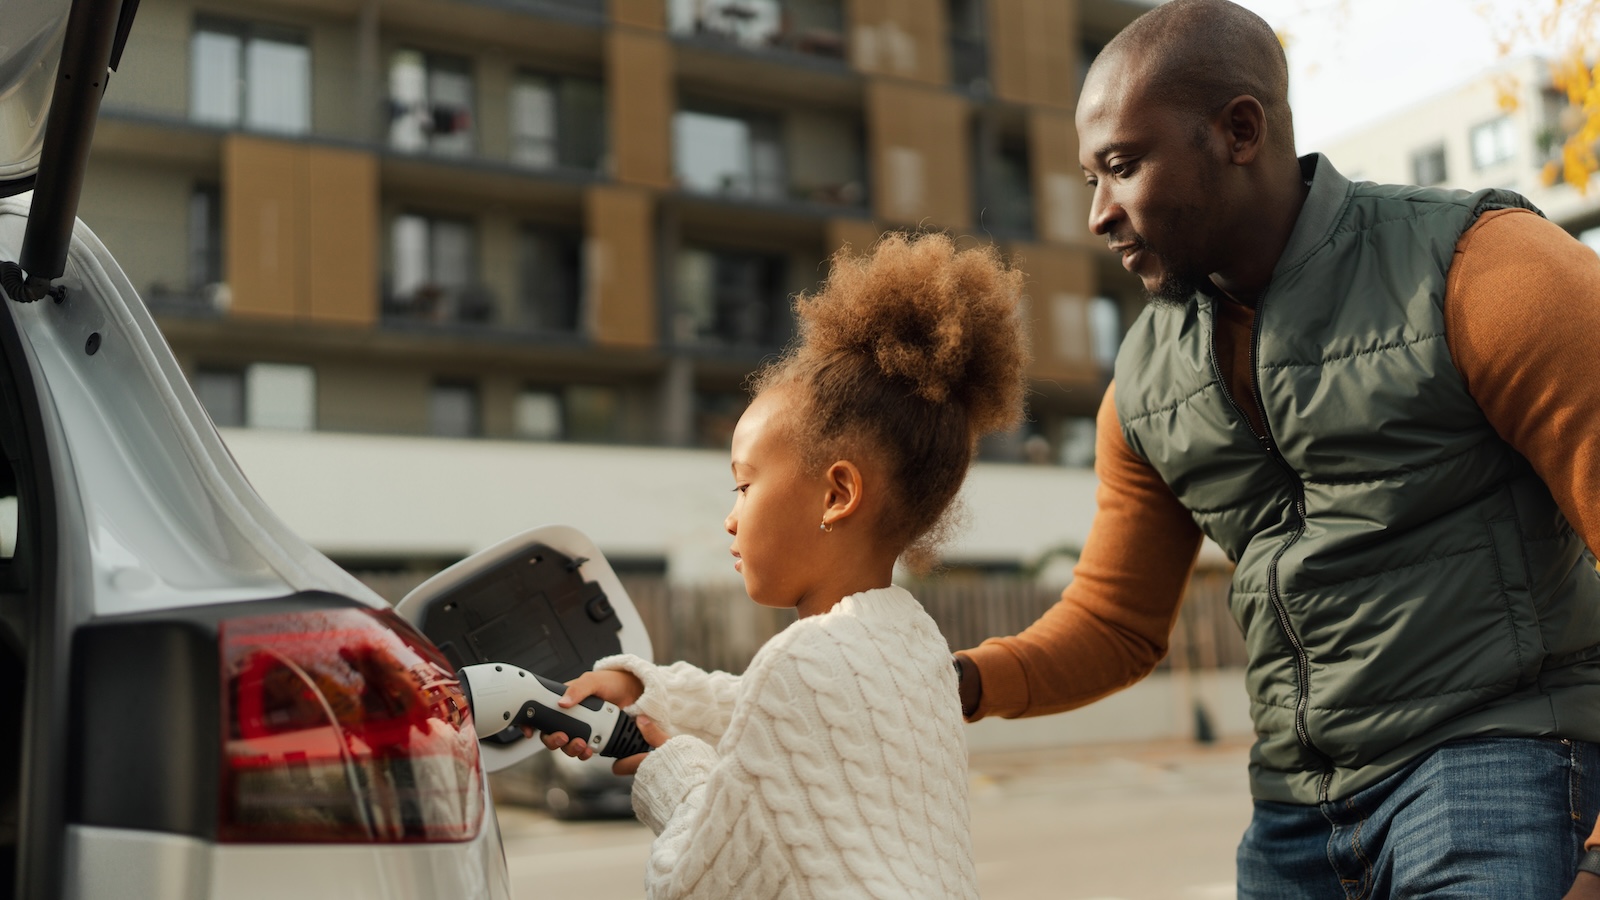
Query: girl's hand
[(612, 685), (652, 734)]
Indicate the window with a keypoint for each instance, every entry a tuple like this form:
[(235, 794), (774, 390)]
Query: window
[(594, 413), (430, 103), (434, 271), (1105, 330), (731, 155), (1493, 143), (1077, 442), (587, 413), (453, 409), (732, 298), (253, 76), (1004, 180), (552, 279), (824, 158), (969, 62), (557, 121), (280, 396), (1427, 166), (221, 392), (715, 415), (260, 395), (205, 237), (537, 415)]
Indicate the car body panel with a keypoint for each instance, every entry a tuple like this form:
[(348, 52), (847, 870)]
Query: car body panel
[(169, 518), (147, 512), (114, 862)]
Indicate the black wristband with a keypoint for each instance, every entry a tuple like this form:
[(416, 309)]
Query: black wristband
[(961, 673), (1590, 862)]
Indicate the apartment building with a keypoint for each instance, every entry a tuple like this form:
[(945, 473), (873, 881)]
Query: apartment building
[(541, 244), (1502, 128)]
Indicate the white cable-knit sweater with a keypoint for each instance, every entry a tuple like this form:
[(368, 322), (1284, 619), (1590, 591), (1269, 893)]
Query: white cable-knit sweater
[(839, 767)]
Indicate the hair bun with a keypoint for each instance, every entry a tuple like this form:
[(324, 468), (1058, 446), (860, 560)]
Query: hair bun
[(945, 321)]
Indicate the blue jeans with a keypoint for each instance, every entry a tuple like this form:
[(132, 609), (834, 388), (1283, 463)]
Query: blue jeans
[(1481, 818)]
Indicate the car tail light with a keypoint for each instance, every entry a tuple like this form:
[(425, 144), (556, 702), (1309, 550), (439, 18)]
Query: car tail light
[(343, 725)]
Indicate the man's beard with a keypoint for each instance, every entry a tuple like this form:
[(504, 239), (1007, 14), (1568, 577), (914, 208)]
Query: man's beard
[(1176, 287), (1176, 290)]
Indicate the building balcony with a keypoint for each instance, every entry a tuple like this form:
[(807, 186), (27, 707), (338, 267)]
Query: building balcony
[(806, 28)]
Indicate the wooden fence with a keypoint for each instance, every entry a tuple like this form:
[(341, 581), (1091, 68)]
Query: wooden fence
[(721, 628), (718, 627)]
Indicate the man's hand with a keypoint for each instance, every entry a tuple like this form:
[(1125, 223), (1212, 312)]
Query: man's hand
[(653, 735), (611, 685), (1587, 887)]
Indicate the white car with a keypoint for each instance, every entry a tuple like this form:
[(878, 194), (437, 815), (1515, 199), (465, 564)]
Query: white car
[(200, 705)]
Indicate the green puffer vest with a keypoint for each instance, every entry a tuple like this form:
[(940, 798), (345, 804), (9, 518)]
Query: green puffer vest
[(1403, 577)]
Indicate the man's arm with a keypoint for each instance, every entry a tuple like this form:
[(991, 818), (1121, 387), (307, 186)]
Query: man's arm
[(1113, 622), (1522, 319)]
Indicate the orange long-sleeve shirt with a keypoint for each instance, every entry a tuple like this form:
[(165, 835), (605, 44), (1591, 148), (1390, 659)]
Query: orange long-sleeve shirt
[(1522, 321)]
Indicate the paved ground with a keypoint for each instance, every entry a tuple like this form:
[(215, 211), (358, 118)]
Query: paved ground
[(1125, 822)]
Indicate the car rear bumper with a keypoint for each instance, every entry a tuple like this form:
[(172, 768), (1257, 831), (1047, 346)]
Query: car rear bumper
[(117, 862)]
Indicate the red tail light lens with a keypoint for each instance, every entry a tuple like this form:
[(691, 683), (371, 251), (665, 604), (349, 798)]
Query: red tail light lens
[(343, 725)]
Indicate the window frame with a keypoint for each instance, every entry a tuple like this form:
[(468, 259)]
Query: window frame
[(246, 32), (1428, 151), (1502, 133)]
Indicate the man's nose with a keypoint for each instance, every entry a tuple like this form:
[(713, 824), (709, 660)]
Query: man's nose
[(731, 524), (1103, 210)]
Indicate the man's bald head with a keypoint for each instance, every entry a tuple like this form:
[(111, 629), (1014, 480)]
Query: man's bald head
[(1196, 55)]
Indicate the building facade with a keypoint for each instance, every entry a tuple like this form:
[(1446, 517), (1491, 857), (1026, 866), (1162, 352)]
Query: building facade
[(1501, 129), (407, 236)]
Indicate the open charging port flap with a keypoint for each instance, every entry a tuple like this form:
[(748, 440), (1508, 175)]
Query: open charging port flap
[(544, 600)]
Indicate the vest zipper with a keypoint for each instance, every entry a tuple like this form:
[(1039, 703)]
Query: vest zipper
[(1301, 658)]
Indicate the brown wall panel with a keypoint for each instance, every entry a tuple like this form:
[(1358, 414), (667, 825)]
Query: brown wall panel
[(264, 206), (1060, 284), (860, 234), (341, 227), (621, 276), (1033, 51), (651, 14), (921, 155), (1061, 206), (639, 85), (902, 38)]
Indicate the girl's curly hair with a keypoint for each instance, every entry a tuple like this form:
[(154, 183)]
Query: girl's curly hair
[(911, 353)]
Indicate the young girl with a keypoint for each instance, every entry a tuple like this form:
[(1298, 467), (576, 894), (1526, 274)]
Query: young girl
[(835, 765)]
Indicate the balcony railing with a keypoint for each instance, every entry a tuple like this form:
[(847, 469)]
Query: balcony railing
[(810, 27), (585, 8)]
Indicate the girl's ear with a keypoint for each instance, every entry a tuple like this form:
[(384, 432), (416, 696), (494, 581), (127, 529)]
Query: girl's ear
[(844, 491)]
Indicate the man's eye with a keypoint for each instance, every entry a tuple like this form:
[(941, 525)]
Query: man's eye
[(1121, 169), (740, 488)]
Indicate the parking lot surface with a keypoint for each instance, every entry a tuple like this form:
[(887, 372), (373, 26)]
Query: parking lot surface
[(1121, 822)]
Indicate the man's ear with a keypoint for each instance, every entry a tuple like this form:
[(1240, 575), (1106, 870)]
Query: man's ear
[(844, 491), (1244, 121)]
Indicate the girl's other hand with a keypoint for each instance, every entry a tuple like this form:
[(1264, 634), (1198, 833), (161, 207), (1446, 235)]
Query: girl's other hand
[(652, 734), (612, 685)]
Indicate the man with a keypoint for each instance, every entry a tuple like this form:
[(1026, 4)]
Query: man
[(1383, 404)]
